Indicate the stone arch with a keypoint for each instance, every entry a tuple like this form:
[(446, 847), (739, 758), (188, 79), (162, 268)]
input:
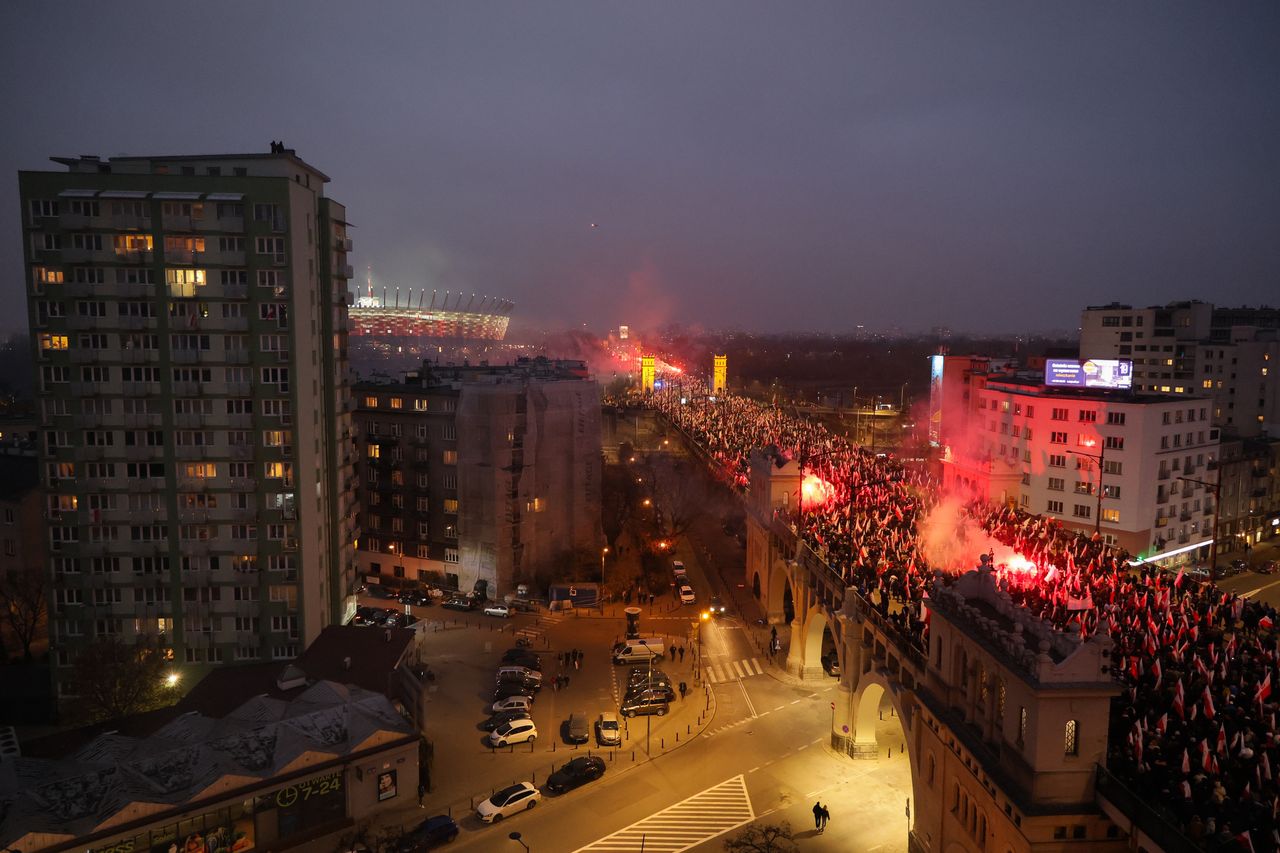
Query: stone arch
[(815, 626), (780, 590), (871, 688)]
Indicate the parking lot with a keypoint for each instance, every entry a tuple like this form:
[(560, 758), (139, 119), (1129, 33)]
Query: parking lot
[(464, 650)]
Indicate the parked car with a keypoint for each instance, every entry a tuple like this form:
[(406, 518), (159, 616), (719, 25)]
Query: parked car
[(513, 732), (661, 691), (504, 717), (643, 705), (1267, 567), (577, 772), (831, 663), (686, 595), (518, 673), (608, 731), (508, 801), (577, 729), (377, 590), (500, 610), (508, 689), (642, 675), (459, 602), (522, 605), (513, 703), (432, 832), (522, 657)]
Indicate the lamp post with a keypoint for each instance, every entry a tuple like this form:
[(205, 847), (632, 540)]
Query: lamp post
[(603, 552), (515, 836), (1099, 459), (1216, 488)]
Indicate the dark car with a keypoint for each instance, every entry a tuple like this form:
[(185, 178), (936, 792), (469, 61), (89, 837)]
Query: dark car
[(432, 832), (1267, 567), (511, 688), (377, 590), (657, 691), (459, 603), (716, 608), (643, 680), (522, 657), (574, 773), (642, 705), (503, 717), (522, 605), (577, 729)]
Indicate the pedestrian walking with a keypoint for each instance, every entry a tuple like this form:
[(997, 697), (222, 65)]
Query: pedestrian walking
[(826, 816), (555, 684), (684, 688), (560, 658), (577, 662), (681, 650), (650, 599), (817, 815), (566, 680)]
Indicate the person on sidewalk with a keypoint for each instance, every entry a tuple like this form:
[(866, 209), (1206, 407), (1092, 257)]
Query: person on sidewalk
[(826, 816), (817, 815), (680, 649), (684, 688)]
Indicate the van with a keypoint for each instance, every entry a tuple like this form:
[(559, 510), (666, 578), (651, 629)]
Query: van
[(640, 650)]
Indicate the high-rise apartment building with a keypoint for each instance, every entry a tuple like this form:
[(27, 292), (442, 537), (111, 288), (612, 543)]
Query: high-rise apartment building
[(1197, 349), (479, 476), (188, 316), (1141, 470)]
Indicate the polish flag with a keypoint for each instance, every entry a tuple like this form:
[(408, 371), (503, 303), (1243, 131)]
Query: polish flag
[(1264, 690), (1178, 705), (1208, 704)]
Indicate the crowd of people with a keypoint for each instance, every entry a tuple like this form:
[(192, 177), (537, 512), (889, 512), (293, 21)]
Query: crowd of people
[(1194, 729)]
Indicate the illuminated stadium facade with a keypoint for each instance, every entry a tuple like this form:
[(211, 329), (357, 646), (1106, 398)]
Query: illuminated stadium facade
[(449, 317)]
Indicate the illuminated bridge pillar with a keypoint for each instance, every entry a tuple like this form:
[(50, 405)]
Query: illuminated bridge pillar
[(646, 373)]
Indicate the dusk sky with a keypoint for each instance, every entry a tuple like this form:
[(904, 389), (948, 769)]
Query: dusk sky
[(765, 166)]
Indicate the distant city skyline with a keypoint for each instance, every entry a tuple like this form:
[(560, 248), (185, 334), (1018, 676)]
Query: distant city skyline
[(993, 168)]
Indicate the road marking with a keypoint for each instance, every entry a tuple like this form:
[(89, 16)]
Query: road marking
[(750, 707), (1254, 592), (686, 824), (734, 670)]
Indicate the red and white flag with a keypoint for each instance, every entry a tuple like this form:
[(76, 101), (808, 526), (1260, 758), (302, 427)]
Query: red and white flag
[(1264, 690), (1208, 704), (1179, 706)]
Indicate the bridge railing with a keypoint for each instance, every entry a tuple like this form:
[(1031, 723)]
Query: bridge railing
[(1154, 824)]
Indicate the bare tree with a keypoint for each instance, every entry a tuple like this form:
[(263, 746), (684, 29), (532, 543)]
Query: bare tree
[(114, 678), (763, 838), (24, 600), (679, 497)]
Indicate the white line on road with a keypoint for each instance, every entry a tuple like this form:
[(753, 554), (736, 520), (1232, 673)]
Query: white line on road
[(750, 707), (686, 824)]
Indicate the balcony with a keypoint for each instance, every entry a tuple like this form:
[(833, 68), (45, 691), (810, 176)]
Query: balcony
[(123, 222)]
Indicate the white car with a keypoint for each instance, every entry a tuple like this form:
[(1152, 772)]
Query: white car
[(515, 731), (686, 595), (497, 610), (508, 801), (607, 729), (513, 703)]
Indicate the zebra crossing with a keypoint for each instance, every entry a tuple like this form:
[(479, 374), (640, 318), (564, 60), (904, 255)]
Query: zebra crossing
[(734, 670), (536, 630), (687, 824)]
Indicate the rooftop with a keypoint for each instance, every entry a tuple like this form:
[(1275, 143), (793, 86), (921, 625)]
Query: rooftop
[(191, 757)]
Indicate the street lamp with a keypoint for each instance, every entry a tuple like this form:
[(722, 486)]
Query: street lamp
[(515, 836), (603, 552), (1216, 488), (1099, 459)]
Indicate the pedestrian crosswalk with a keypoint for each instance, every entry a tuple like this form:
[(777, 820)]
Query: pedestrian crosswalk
[(537, 629), (687, 824), (734, 670)]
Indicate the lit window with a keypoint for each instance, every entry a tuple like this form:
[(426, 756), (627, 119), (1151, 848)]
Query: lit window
[(183, 282), (371, 402), (397, 403), (53, 342), (1071, 742), (375, 451)]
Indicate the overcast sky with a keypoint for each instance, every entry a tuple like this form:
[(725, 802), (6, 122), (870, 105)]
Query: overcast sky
[(783, 166)]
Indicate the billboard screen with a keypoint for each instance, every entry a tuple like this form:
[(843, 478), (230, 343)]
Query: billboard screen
[(1094, 373)]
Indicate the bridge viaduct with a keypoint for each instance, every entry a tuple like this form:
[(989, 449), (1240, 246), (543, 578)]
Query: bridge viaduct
[(1005, 719)]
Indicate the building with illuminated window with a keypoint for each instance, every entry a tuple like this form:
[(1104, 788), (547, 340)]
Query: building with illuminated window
[(479, 476), (1139, 469), (188, 316), (283, 768), (1197, 349)]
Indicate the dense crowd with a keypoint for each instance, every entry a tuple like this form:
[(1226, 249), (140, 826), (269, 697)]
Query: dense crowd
[(1194, 729)]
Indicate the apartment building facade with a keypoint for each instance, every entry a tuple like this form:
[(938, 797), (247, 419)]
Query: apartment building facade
[(1196, 349), (478, 477), (188, 320), (1140, 470)]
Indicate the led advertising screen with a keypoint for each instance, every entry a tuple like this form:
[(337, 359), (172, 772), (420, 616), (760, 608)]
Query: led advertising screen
[(1094, 373)]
